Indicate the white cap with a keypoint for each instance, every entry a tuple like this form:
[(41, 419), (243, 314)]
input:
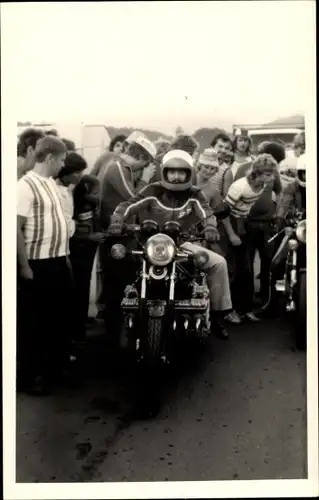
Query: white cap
[(178, 154), (140, 139)]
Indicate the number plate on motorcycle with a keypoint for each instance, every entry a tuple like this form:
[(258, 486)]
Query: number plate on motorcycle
[(198, 303), (130, 302), (182, 303)]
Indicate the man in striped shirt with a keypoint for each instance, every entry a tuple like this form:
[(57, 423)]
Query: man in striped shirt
[(45, 279), (242, 195)]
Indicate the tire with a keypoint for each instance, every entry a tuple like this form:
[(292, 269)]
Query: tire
[(150, 370), (301, 312), (153, 341)]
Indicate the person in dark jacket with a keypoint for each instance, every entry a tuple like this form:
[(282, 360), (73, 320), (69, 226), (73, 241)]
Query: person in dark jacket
[(83, 247), (175, 198), (126, 175), (116, 147)]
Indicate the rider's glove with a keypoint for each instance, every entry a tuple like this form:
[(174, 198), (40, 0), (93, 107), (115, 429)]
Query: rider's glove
[(116, 225), (211, 234)]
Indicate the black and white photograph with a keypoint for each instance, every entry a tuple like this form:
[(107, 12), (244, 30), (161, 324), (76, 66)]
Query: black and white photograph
[(159, 275)]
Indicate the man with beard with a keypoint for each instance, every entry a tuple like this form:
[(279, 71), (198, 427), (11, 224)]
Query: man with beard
[(176, 198), (182, 142)]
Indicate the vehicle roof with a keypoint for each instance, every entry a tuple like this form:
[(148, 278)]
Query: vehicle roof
[(274, 131)]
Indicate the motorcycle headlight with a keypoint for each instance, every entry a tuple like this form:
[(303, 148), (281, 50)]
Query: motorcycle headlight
[(160, 249), (293, 244), (118, 251), (301, 231)]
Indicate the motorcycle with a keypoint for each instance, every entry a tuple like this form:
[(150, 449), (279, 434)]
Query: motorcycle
[(169, 299), (293, 286)]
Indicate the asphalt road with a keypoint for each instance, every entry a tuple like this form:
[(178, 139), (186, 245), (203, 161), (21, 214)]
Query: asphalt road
[(236, 410)]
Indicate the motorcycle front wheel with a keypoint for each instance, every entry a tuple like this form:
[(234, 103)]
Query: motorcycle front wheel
[(301, 312), (153, 340)]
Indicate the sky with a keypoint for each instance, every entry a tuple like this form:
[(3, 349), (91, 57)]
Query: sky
[(159, 64)]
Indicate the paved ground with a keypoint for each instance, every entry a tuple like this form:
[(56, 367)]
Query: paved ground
[(237, 410)]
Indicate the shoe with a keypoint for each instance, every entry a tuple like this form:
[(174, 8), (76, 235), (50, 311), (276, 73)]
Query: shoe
[(233, 317), (217, 327), (220, 331), (251, 317)]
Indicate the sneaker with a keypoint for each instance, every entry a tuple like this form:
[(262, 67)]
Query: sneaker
[(251, 317), (233, 317)]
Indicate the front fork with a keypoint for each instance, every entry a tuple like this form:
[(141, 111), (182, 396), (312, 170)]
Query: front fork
[(291, 279)]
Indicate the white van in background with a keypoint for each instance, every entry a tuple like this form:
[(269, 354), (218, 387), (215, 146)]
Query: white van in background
[(91, 140), (278, 133)]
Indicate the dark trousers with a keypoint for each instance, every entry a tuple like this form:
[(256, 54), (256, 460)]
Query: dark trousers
[(258, 233), (44, 315), (82, 254), (100, 300), (240, 269)]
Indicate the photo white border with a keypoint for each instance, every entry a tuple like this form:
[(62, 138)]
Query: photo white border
[(209, 489)]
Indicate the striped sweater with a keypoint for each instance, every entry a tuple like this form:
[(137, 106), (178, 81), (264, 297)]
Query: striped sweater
[(241, 197), (46, 228)]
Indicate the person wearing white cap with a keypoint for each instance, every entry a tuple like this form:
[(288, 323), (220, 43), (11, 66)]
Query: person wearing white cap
[(125, 176), (176, 198)]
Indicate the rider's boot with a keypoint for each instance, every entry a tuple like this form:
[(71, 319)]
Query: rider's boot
[(218, 325)]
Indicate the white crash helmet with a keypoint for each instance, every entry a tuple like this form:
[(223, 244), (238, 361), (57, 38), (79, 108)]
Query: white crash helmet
[(141, 140), (301, 170), (177, 159)]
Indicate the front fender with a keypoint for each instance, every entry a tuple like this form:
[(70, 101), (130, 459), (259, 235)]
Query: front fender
[(156, 308)]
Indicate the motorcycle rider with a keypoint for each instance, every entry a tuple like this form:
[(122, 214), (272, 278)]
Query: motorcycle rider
[(182, 142), (176, 198)]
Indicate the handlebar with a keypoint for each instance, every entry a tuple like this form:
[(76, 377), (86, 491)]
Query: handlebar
[(135, 229)]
